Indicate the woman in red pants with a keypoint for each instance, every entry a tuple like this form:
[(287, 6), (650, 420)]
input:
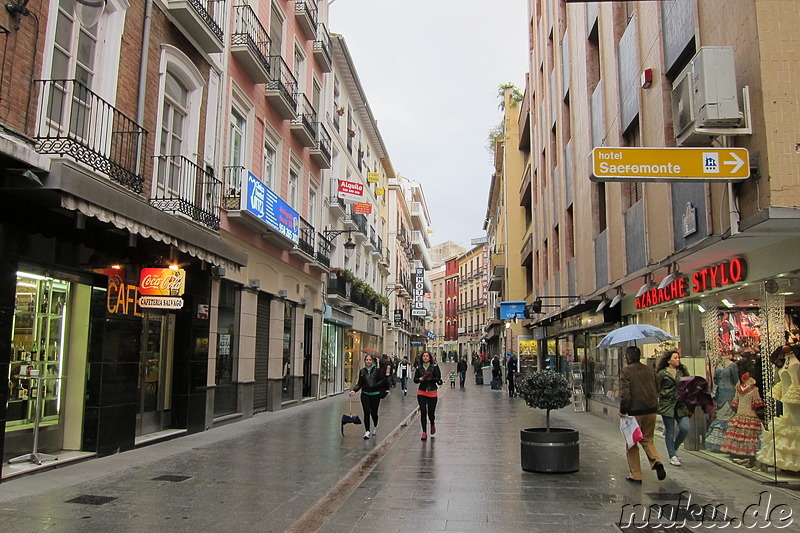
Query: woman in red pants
[(429, 377)]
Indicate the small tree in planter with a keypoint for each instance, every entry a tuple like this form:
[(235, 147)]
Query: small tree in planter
[(545, 389), (545, 449)]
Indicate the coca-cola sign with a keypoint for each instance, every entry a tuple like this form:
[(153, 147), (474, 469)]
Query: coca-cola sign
[(162, 282)]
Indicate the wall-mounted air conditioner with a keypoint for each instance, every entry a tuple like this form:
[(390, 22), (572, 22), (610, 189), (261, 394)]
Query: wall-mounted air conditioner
[(705, 102)]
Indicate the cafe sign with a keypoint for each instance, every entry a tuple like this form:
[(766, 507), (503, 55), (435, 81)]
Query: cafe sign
[(709, 278)]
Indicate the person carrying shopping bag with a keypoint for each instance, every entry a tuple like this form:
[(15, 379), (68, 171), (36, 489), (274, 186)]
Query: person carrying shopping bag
[(371, 381)]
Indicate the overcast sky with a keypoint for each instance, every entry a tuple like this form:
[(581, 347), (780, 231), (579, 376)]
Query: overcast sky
[(431, 70)]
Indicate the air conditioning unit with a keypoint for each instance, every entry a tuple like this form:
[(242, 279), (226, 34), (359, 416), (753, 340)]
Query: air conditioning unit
[(705, 102)]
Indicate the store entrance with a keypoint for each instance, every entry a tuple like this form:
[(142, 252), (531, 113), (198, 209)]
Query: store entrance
[(155, 373)]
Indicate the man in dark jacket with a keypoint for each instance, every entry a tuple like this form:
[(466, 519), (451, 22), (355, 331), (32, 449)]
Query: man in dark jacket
[(462, 370), (639, 398)]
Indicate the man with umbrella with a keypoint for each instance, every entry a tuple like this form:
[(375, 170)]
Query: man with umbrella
[(639, 398)]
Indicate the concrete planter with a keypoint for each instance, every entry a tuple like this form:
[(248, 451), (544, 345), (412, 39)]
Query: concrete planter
[(555, 451)]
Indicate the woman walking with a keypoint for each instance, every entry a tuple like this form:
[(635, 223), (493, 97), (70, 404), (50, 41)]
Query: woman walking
[(429, 377), (673, 413), (371, 381)]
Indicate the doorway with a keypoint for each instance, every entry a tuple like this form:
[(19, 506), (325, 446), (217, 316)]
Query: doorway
[(155, 373), (308, 336)]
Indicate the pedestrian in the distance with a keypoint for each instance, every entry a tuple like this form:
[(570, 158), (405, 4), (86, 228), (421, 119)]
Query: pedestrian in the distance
[(404, 372), (371, 381), (673, 413), (497, 374), (639, 398), (511, 372), (429, 377), (452, 379), (461, 368)]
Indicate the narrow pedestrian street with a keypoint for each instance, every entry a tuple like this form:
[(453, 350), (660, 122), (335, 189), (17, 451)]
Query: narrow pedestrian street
[(265, 473)]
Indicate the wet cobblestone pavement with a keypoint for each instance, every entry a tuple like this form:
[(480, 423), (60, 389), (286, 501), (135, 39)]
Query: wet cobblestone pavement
[(265, 473)]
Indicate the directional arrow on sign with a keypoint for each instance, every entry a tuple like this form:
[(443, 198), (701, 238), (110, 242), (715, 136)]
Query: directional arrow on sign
[(737, 162)]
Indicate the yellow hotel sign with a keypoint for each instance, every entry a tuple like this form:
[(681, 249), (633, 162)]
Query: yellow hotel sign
[(670, 164), (373, 177)]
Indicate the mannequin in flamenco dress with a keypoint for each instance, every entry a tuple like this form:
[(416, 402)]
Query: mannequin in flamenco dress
[(744, 429), (726, 376), (786, 454)]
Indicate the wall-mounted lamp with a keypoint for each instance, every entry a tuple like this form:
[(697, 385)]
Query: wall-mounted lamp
[(617, 299), (340, 111), (604, 302), (17, 10), (218, 271), (254, 283), (331, 234), (283, 293), (648, 284), (673, 273)]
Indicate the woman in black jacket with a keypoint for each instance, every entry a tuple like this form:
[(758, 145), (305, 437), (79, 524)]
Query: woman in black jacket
[(371, 381), (429, 378)]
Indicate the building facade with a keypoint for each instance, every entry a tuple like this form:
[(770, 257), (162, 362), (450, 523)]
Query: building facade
[(473, 282), (711, 261)]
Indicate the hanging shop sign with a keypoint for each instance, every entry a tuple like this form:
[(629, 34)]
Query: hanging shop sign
[(350, 190), (160, 302), (373, 177), (380, 191), (162, 282), (709, 278), (362, 207), (398, 316), (270, 209), (670, 164), (418, 303)]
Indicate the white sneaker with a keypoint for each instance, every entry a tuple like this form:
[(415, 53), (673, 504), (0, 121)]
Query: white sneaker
[(674, 461), (374, 431), (366, 435)]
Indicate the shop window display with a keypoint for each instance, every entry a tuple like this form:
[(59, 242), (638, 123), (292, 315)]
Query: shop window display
[(784, 451), (38, 336)]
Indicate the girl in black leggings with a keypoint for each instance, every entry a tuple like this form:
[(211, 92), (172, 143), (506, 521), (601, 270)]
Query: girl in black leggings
[(429, 378), (371, 381)]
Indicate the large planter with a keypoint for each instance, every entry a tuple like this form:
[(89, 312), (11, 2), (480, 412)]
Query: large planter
[(554, 451)]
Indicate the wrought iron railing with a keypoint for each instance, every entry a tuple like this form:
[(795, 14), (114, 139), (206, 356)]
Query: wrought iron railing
[(76, 122), (306, 237), (323, 250), (212, 13), (249, 32), (339, 286), (361, 222), (233, 180), (324, 140), (181, 187), (282, 79), (306, 114), (308, 8), (323, 42)]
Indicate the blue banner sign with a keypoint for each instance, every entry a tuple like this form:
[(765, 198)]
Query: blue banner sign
[(270, 209), (511, 310)]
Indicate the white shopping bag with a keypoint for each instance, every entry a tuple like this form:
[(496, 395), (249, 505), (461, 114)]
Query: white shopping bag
[(629, 428)]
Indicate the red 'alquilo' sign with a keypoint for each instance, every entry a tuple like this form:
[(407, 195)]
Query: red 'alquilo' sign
[(711, 277)]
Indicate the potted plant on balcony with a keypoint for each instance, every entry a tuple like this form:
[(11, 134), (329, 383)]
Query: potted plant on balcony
[(551, 450)]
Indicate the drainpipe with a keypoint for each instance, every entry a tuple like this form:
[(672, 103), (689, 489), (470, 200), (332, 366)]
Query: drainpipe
[(733, 203), (148, 15)]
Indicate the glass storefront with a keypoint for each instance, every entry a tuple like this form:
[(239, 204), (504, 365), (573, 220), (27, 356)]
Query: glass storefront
[(38, 337), (288, 343), (352, 357), (331, 359), (225, 392)]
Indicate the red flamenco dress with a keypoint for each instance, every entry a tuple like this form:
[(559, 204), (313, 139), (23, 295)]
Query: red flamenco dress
[(742, 437)]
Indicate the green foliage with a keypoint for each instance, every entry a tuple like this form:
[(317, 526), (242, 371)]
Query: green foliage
[(516, 95), (545, 389), (495, 134)]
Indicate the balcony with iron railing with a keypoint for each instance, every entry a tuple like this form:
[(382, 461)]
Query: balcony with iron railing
[(305, 246), (250, 43), (304, 124), (233, 179), (361, 223), (323, 255), (322, 49), (321, 152), (77, 123), (200, 20), (281, 88), (305, 13), (181, 187), (334, 203)]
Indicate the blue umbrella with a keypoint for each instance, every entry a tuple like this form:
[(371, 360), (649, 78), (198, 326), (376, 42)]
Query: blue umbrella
[(641, 333)]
